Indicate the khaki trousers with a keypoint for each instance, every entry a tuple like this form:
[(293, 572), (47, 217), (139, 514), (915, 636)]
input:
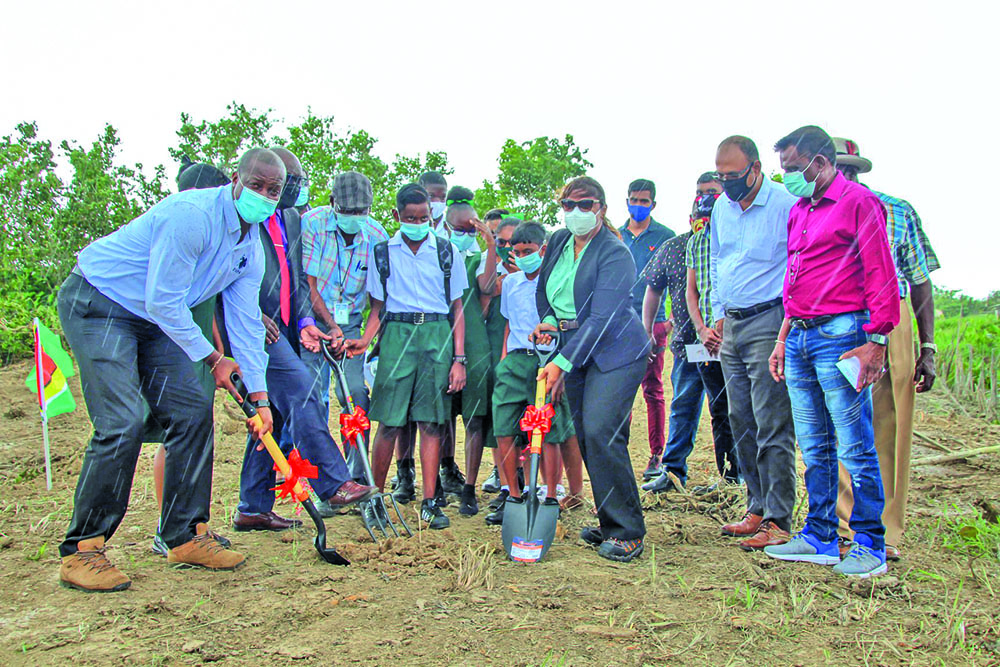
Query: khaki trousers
[(892, 402)]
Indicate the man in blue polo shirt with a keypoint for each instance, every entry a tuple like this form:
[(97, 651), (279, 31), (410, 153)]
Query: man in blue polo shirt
[(644, 236)]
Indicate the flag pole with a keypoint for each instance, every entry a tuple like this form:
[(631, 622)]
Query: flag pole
[(42, 406)]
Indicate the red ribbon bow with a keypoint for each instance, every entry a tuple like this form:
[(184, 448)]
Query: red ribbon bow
[(298, 468), (354, 425), (541, 419)]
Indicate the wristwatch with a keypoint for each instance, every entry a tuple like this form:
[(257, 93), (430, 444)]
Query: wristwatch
[(878, 339), (459, 359), (261, 403), (929, 346)]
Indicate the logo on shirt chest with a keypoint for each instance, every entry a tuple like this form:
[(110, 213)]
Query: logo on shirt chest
[(242, 264)]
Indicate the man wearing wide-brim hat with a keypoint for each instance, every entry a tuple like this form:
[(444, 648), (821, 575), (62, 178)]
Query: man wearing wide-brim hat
[(894, 394)]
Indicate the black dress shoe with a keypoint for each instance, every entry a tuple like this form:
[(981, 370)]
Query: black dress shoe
[(269, 521), (592, 536), (495, 518), (498, 502), (661, 484), (467, 505)]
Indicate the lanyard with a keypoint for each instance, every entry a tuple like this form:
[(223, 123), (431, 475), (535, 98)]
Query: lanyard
[(342, 280)]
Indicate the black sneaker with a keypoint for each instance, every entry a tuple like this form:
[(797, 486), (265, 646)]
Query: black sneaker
[(661, 484), (432, 515), (467, 505), (373, 514), (451, 478), (492, 483), (653, 468), (592, 536), (405, 472), (620, 550), (498, 502)]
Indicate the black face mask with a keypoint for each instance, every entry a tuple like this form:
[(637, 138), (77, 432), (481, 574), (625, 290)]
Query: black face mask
[(703, 205), (737, 188), (290, 193)]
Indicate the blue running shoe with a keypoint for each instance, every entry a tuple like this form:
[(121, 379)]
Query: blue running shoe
[(806, 548)]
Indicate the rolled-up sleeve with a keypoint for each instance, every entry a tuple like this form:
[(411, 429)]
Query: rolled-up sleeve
[(880, 285), (244, 325), (176, 244)]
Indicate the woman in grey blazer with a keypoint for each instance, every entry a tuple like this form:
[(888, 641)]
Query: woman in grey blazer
[(584, 292)]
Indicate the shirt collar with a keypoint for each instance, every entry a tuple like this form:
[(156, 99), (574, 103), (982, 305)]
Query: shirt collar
[(652, 224), (229, 213), (836, 189), (397, 239)]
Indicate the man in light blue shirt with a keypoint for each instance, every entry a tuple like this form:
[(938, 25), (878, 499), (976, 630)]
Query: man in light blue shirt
[(125, 311), (749, 240)]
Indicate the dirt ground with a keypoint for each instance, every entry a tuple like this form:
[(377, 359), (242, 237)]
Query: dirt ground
[(451, 597)]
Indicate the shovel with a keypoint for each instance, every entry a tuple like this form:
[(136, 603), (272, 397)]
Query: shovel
[(353, 425), (529, 526), (299, 493)]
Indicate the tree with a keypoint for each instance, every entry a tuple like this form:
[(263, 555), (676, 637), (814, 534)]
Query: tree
[(531, 175), (221, 143)]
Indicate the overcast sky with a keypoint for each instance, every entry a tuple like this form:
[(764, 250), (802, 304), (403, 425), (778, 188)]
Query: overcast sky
[(649, 88)]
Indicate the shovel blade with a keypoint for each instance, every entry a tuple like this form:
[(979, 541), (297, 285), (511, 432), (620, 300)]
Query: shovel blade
[(529, 528)]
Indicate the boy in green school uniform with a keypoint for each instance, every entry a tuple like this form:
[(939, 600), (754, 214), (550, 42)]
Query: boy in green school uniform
[(473, 402), (422, 354), (516, 373)]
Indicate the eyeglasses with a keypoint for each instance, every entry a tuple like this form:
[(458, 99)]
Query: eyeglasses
[(583, 204), (731, 176)]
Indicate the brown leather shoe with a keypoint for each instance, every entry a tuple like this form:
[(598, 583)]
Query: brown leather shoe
[(205, 551), (351, 492), (745, 527), (89, 569), (769, 534), (268, 521)]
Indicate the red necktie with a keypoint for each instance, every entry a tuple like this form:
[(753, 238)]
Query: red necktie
[(279, 247)]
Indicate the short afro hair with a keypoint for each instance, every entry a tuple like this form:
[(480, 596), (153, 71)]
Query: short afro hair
[(411, 193)]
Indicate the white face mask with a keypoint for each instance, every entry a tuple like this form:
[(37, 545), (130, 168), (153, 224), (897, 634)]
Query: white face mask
[(579, 222), (437, 209)]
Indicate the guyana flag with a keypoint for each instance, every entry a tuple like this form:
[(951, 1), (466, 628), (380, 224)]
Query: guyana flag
[(48, 378)]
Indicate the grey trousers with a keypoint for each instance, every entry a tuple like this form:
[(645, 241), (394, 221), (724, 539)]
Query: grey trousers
[(123, 358), (760, 415)]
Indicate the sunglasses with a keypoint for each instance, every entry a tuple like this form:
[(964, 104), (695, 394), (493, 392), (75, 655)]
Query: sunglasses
[(583, 204)]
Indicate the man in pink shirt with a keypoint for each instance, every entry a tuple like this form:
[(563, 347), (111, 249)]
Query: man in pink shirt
[(841, 301)]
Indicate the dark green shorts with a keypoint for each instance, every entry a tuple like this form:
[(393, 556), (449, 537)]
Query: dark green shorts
[(470, 404), (411, 382), (515, 390)]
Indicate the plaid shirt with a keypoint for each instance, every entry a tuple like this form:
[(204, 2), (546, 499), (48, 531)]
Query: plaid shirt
[(341, 271), (911, 251), (698, 256)]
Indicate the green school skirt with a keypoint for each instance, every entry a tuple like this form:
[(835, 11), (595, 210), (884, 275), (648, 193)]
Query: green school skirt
[(411, 382), (515, 390)]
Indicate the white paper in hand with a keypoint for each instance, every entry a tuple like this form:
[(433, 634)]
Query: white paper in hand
[(851, 368), (698, 352)]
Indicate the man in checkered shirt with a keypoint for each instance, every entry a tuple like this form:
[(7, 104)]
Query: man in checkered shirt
[(337, 242), (894, 394)]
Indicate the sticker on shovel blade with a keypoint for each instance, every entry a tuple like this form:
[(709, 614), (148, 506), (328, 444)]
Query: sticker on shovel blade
[(524, 551)]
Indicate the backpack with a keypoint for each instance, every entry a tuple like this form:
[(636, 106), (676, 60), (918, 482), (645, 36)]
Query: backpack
[(445, 260)]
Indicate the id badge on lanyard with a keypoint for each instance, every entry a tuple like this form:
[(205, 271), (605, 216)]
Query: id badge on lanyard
[(341, 313)]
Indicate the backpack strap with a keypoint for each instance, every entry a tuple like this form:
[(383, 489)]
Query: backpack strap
[(381, 254), (446, 258)]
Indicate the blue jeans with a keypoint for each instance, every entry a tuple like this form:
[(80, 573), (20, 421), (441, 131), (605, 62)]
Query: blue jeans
[(685, 411), (834, 421), (290, 391), (354, 369)]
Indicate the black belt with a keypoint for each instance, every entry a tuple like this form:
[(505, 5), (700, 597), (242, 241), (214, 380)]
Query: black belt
[(750, 311), (568, 325), (813, 322), (414, 318), (522, 350)]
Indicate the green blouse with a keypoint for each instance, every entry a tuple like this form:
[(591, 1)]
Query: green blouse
[(559, 290)]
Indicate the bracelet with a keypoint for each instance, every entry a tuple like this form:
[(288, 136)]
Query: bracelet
[(212, 370), (779, 342)]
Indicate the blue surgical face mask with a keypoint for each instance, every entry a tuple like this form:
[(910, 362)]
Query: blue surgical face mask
[(350, 224), (415, 231), (529, 263), (796, 183), (639, 213), (303, 198), (463, 240), (254, 207), (438, 209)]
